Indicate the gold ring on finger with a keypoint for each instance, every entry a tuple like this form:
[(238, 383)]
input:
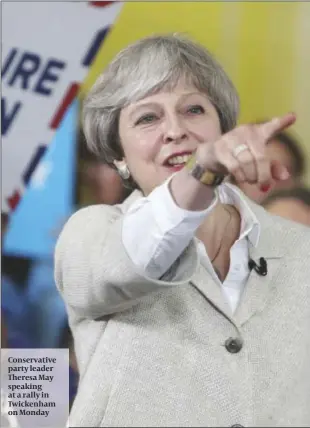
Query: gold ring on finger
[(239, 149)]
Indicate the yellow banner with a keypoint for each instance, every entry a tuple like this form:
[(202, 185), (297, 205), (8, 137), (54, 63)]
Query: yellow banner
[(264, 47)]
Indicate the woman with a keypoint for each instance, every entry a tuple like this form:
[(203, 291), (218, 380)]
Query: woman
[(174, 320)]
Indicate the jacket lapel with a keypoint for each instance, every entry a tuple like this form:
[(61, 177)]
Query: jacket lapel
[(207, 286), (256, 292), (257, 289)]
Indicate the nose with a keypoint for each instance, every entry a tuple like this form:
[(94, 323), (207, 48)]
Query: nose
[(175, 130)]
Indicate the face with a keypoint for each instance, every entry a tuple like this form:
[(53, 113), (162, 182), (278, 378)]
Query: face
[(159, 132), (292, 209), (275, 151)]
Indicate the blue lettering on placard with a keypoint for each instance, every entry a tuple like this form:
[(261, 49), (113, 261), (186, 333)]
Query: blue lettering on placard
[(34, 161), (26, 67), (29, 71), (8, 115), (8, 61), (49, 75)]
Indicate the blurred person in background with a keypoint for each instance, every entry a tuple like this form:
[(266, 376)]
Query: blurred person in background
[(16, 315), (293, 204), (4, 340), (286, 149), (98, 183), (189, 304), (4, 224), (33, 312)]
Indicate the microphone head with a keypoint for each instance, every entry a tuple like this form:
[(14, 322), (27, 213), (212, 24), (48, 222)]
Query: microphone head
[(261, 269)]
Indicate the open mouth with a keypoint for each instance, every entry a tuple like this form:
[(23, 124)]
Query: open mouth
[(177, 162)]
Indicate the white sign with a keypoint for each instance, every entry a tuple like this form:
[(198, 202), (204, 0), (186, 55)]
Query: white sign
[(47, 48)]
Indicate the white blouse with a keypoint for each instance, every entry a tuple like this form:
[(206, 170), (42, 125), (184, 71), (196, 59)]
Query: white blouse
[(156, 231)]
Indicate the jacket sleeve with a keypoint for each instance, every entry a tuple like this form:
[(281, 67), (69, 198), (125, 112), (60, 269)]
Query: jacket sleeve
[(93, 272)]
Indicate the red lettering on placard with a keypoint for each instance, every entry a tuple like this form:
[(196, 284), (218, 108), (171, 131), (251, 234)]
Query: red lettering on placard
[(13, 200), (66, 101), (101, 3)]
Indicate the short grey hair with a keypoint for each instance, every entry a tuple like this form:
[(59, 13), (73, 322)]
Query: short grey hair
[(144, 68)]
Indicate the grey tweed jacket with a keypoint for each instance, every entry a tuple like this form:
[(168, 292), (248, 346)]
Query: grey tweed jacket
[(157, 353)]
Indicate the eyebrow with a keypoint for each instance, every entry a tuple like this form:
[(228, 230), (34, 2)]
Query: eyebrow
[(154, 104)]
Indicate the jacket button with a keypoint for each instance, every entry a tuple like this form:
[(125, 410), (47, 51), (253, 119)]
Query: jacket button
[(233, 346)]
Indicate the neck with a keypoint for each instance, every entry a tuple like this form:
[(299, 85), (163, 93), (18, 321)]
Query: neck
[(220, 230)]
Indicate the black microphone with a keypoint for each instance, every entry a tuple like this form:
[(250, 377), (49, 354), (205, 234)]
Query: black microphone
[(261, 269)]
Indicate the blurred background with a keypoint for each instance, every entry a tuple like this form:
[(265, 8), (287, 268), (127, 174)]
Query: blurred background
[(52, 52)]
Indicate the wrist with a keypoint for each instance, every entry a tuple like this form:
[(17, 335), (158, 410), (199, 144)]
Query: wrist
[(188, 193), (197, 169)]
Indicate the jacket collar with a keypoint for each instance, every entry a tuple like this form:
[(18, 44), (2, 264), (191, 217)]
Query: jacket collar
[(133, 197)]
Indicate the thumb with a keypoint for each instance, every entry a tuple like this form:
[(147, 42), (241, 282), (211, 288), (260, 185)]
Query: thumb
[(279, 171)]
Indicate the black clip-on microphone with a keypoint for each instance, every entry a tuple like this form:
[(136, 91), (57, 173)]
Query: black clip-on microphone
[(260, 269)]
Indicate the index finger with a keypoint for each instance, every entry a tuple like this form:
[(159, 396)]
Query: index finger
[(277, 124)]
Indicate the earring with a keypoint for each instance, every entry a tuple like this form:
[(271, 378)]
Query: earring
[(123, 171)]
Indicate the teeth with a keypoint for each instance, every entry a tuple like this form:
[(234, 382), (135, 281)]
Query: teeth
[(178, 160)]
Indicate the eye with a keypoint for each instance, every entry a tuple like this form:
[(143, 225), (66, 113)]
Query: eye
[(146, 119), (197, 109)]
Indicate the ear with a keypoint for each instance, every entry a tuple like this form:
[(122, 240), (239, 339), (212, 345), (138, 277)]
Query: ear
[(122, 168)]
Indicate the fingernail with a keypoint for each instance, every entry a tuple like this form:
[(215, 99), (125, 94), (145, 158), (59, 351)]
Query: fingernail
[(265, 187)]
